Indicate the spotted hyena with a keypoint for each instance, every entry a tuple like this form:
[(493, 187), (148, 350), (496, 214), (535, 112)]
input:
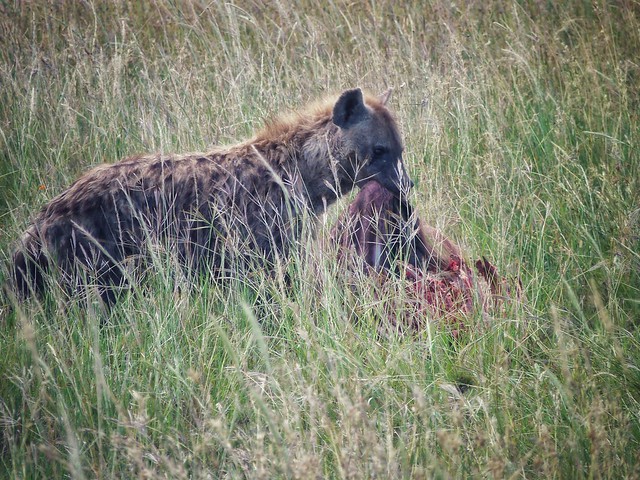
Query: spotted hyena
[(218, 209)]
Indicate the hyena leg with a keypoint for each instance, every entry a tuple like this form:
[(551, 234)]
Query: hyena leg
[(91, 260), (30, 265)]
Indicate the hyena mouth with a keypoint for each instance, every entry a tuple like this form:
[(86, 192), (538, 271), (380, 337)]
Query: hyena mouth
[(398, 183)]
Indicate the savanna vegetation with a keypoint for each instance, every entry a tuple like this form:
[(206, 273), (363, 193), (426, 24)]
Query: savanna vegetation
[(522, 132)]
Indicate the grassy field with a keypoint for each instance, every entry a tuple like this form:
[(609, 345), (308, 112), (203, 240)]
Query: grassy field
[(522, 131)]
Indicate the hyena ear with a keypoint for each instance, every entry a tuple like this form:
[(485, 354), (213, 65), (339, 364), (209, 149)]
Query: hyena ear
[(349, 109), (384, 97)]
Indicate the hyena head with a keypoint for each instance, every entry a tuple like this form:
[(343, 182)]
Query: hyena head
[(371, 142)]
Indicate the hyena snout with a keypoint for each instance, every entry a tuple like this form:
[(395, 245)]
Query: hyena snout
[(387, 168), (394, 177)]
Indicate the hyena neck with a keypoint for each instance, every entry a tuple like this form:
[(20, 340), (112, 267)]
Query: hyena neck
[(314, 159), (320, 159)]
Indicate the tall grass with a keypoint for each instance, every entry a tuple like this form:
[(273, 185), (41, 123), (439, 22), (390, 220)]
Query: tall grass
[(522, 131)]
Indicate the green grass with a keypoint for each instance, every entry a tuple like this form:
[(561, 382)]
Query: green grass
[(522, 133)]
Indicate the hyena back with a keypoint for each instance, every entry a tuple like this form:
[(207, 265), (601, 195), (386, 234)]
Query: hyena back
[(219, 208)]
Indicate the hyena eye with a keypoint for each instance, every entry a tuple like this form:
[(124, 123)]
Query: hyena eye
[(379, 150)]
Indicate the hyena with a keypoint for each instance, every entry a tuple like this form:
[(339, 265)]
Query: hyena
[(216, 209)]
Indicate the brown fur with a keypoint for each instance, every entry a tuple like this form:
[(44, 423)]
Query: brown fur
[(387, 238), (220, 210), (384, 230)]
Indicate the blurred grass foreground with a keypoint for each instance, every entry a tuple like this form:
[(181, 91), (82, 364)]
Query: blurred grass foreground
[(522, 135)]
